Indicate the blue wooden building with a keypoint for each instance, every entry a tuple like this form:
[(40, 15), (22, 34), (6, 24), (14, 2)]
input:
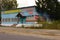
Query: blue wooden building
[(9, 16)]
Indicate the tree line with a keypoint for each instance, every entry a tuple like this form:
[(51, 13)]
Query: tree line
[(51, 7), (8, 4)]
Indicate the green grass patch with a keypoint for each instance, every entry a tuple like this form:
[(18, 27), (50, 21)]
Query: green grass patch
[(47, 25)]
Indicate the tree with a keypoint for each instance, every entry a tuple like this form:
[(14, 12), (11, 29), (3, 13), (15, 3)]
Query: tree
[(9, 4), (52, 8), (58, 10), (41, 6)]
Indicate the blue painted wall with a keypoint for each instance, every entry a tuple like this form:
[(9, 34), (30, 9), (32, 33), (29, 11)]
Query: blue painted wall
[(13, 15)]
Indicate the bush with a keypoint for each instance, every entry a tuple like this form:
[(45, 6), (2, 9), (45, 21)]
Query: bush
[(46, 25), (54, 25)]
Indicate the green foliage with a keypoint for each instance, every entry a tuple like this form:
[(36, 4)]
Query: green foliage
[(46, 25), (53, 25), (52, 7), (9, 4)]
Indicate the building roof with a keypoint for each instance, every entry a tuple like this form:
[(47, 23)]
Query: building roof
[(31, 13), (25, 13), (21, 8), (26, 7)]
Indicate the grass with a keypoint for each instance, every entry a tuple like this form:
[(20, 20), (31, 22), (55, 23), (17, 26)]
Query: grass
[(54, 25), (46, 25)]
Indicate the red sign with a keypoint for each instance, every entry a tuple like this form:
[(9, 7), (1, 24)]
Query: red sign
[(30, 12), (36, 17)]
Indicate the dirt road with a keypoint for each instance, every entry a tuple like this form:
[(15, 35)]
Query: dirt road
[(39, 33)]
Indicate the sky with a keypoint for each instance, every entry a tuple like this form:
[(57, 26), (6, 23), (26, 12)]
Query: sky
[(59, 0), (25, 3)]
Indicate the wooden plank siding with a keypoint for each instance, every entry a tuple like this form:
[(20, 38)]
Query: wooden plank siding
[(16, 19)]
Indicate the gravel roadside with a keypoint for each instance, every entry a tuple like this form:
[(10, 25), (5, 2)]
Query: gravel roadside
[(44, 33)]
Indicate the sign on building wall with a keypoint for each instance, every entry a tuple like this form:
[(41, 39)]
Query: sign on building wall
[(12, 11)]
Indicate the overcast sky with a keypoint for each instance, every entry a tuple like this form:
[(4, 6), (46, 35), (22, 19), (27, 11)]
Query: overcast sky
[(24, 3)]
